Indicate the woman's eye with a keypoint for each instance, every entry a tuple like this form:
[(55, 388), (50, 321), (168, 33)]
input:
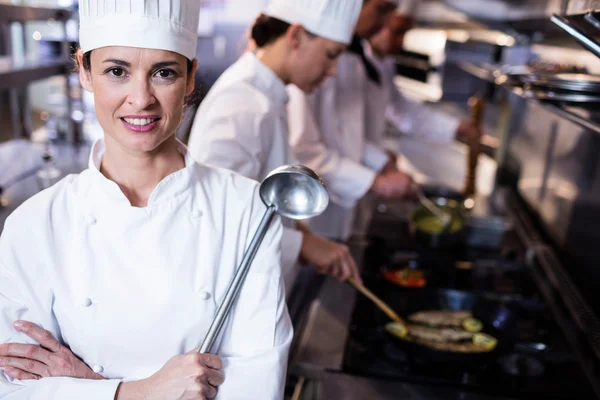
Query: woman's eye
[(118, 72), (165, 73)]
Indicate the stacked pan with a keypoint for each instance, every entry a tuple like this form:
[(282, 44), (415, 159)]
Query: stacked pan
[(564, 87)]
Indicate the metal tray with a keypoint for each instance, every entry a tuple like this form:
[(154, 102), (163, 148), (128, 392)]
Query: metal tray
[(569, 97), (565, 81)]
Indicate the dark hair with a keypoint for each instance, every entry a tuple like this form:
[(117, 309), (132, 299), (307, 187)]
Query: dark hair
[(266, 30), (87, 64)]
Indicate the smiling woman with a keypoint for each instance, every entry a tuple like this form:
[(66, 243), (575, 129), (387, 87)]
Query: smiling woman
[(134, 254), (138, 94)]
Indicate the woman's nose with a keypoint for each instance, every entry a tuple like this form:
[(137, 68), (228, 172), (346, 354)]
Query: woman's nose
[(141, 95), (332, 70)]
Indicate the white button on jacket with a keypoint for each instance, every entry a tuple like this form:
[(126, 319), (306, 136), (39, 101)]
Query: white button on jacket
[(242, 125), (146, 277)]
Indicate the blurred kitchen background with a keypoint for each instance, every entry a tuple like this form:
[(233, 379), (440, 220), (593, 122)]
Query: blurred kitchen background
[(543, 145)]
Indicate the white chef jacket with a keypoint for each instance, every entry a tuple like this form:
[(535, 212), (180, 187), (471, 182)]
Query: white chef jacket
[(387, 104), (127, 288), (328, 134), (242, 125)]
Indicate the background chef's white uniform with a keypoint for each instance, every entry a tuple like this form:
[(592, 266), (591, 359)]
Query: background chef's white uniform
[(127, 288), (242, 125), (328, 134), (387, 105)]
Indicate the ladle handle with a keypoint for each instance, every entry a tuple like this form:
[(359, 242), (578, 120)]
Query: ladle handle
[(378, 302), (235, 286)]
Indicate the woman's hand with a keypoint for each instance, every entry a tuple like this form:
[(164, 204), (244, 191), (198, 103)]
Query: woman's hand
[(392, 164), (394, 185), (190, 376), (49, 359), (328, 257)]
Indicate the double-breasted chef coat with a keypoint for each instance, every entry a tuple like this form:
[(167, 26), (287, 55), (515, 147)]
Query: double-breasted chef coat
[(328, 133), (127, 288), (242, 125)]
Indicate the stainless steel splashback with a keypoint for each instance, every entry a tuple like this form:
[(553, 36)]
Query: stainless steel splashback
[(558, 168), (506, 10)]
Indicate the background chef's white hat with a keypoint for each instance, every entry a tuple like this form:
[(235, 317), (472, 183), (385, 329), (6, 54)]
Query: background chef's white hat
[(406, 7), (150, 24), (331, 19)]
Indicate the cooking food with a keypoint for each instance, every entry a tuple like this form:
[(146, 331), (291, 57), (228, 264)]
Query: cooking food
[(453, 331), (439, 334), (441, 318), (456, 347), (406, 277), (472, 325), (397, 329), (485, 341), (433, 225)]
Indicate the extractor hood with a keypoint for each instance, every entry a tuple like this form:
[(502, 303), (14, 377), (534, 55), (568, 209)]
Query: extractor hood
[(506, 10)]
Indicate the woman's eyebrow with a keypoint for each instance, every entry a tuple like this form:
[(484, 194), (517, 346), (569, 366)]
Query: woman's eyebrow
[(165, 64), (122, 63), (118, 62)]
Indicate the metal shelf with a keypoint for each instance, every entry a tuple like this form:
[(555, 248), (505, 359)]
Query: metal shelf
[(16, 13), (19, 74), (567, 113)]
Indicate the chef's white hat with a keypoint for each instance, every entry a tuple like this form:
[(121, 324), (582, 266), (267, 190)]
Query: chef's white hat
[(150, 24), (331, 19), (406, 7)]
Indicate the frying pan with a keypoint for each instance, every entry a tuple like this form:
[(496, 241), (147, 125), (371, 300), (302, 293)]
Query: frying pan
[(497, 321), (447, 239)]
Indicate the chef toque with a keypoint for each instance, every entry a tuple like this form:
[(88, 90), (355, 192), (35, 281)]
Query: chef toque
[(150, 24), (406, 7), (331, 19)]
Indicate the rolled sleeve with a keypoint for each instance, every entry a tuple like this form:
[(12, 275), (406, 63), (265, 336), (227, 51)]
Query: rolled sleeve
[(58, 389), (374, 156)]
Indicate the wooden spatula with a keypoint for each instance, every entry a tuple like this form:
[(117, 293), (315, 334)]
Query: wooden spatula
[(378, 302)]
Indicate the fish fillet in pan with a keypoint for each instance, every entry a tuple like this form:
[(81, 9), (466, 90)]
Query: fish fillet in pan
[(456, 347), (439, 318), (438, 334)]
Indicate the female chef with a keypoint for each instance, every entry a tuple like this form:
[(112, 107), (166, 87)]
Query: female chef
[(117, 272), (242, 123), (328, 132), (387, 104)]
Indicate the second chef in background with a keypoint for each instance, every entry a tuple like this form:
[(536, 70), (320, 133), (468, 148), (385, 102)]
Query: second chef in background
[(242, 124), (386, 103), (328, 132)]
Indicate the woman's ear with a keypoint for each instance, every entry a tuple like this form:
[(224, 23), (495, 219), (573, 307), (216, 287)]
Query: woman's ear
[(84, 76), (295, 35), (191, 78)]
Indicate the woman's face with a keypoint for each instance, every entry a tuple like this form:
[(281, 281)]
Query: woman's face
[(373, 16), (312, 60), (138, 94)]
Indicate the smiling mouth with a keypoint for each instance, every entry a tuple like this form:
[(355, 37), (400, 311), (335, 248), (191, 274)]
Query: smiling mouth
[(140, 121)]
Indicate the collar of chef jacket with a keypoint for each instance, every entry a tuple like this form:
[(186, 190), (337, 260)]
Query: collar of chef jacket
[(172, 186), (265, 79), (356, 47)]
